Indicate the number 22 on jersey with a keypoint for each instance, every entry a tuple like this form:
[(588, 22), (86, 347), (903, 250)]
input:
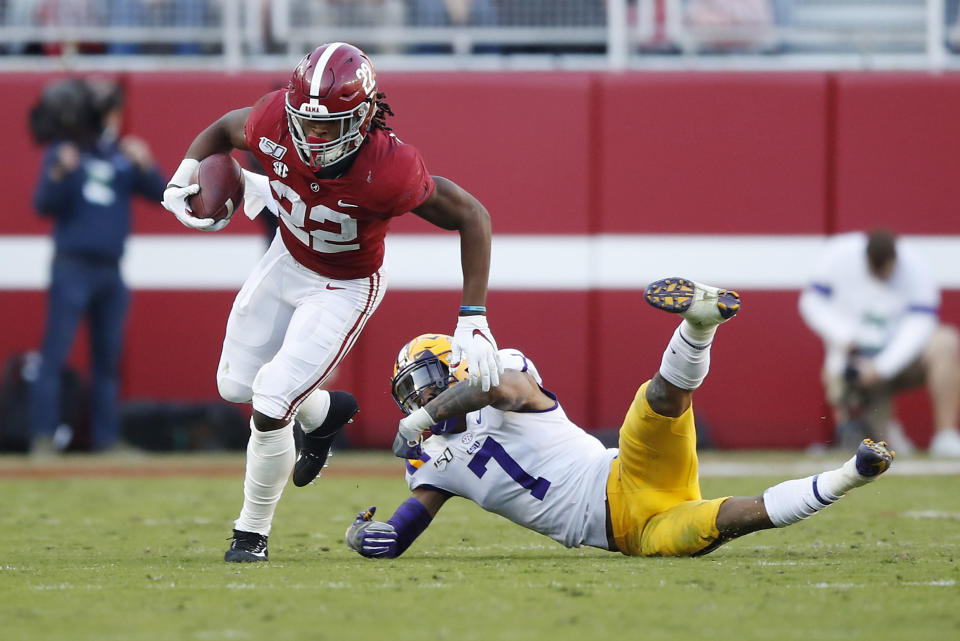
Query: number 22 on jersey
[(327, 242)]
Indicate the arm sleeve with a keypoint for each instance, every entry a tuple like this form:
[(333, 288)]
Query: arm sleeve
[(410, 520)]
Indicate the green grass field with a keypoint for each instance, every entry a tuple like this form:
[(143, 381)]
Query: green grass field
[(138, 557)]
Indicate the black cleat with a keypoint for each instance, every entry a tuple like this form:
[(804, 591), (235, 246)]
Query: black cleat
[(246, 547), (873, 459), (315, 446)]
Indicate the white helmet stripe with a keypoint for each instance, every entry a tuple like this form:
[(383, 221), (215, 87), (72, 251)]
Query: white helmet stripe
[(320, 68)]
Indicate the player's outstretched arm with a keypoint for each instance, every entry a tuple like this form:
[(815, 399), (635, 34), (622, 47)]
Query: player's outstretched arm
[(452, 207), (390, 539), (517, 391), (224, 135)]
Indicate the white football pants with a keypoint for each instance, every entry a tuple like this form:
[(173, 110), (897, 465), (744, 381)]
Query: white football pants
[(288, 329)]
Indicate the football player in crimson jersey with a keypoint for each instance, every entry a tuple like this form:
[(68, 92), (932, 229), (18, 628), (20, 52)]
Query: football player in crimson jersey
[(336, 175), (513, 451)]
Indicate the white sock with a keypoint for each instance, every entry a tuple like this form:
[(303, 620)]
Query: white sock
[(795, 500), (270, 459), (686, 360), (313, 410)]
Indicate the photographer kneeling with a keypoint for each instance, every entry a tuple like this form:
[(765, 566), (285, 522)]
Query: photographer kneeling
[(876, 307)]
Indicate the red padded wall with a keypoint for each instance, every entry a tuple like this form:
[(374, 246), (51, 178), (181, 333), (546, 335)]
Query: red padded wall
[(574, 153), (519, 142), (712, 153), (898, 137)]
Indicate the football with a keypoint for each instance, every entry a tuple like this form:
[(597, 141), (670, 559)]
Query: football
[(221, 187)]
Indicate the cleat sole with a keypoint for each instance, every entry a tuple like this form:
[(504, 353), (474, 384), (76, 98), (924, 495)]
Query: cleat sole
[(728, 302), (674, 295), (678, 295)]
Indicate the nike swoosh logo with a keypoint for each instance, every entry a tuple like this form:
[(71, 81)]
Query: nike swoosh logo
[(477, 332), (332, 287), (479, 416), (343, 204)]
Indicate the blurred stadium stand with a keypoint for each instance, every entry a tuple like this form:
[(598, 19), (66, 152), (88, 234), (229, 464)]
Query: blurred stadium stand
[(525, 34)]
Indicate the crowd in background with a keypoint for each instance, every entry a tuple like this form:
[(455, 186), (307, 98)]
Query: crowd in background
[(716, 25)]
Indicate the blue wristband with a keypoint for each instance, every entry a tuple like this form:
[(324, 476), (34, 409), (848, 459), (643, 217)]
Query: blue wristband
[(473, 309)]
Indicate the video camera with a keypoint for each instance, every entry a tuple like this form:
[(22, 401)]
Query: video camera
[(73, 110)]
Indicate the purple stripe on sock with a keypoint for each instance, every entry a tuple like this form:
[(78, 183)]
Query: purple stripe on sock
[(694, 345), (816, 493)]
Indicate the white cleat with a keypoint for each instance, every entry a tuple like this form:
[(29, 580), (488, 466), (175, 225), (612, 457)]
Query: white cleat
[(701, 305)]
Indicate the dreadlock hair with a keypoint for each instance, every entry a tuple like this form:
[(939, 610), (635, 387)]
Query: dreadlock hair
[(383, 110)]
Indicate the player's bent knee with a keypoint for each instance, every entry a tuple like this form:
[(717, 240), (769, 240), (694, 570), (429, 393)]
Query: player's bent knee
[(683, 530), (234, 391), (273, 391), (314, 408)]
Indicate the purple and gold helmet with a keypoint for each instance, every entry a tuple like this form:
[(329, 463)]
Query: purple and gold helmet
[(424, 364)]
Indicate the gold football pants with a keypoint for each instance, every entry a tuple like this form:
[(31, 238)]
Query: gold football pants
[(654, 489)]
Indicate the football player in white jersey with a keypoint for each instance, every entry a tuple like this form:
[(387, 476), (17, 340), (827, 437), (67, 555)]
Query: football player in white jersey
[(513, 451)]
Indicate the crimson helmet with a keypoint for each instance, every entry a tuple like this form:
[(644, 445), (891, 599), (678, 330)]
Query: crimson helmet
[(333, 83)]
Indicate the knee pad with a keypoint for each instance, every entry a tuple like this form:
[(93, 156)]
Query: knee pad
[(274, 391), (234, 391)]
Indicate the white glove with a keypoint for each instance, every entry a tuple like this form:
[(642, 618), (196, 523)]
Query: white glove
[(472, 340), (175, 199), (413, 426)]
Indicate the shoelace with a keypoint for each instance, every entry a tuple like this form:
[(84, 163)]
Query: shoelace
[(250, 541)]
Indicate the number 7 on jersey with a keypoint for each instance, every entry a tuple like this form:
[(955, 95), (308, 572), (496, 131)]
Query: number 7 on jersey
[(493, 450)]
